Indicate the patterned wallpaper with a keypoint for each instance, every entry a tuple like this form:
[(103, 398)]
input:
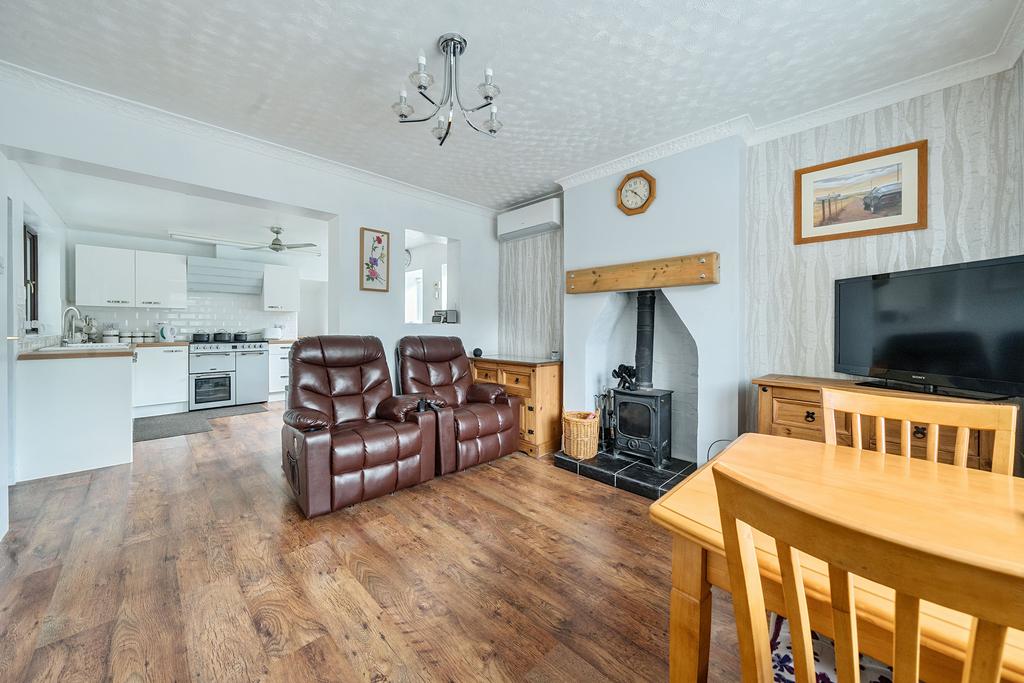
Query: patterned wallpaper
[(975, 134), (530, 286)]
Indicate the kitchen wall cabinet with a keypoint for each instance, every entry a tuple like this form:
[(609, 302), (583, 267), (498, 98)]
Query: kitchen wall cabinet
[(104, 276), (279, 366), (160, 376), (161, 280), (280, 288)]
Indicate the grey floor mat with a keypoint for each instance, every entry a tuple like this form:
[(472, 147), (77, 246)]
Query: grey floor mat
[(163, 426)]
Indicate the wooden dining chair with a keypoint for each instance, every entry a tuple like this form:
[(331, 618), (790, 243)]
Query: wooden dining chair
[(913, 571), (961, 416)]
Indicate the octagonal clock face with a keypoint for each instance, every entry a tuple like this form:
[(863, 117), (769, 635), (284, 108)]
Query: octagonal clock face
[(636, 191)]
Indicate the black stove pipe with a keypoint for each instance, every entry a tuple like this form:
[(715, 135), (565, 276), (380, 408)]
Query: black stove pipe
[(645, 338)]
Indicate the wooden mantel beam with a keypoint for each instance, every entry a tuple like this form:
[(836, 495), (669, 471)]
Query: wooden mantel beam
[(676, 271)]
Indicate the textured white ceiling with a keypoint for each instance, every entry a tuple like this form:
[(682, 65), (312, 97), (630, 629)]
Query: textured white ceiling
[(583, 82), (90, 203)]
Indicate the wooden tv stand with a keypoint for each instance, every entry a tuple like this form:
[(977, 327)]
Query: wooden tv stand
[(791, 406)]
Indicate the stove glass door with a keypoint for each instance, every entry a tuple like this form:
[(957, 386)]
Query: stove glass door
[(212, 390)]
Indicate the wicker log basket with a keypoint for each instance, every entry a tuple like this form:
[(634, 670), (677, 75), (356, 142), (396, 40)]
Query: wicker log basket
[(580, 430)]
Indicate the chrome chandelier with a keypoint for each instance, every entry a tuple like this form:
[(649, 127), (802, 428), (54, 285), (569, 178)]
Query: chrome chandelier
[(452, 45)]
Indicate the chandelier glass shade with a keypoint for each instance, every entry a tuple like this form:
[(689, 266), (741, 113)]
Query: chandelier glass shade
[(452, 46)]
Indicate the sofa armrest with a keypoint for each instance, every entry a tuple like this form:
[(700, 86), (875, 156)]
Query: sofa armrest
[(306, 419), (398, 408), (484, 392), (306, 461)]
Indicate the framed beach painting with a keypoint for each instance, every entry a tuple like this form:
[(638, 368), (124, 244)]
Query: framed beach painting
[(868, 194), (374, 260)]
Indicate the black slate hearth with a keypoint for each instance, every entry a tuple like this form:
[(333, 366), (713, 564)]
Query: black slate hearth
[(629, 472)]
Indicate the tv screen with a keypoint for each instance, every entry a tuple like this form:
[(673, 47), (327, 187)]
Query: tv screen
[(959, 326)]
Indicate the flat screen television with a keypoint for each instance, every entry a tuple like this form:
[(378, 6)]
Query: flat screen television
[(960, 327)]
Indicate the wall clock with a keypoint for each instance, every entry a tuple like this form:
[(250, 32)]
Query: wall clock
[(636, 192)]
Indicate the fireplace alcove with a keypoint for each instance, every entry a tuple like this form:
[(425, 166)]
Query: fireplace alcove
[(612, 340)]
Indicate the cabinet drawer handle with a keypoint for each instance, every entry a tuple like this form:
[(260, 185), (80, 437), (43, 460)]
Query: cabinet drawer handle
[(529, 408), (529, 431), (809, 416), (284, 376), (172, 350), (920, 432), (516, 380)]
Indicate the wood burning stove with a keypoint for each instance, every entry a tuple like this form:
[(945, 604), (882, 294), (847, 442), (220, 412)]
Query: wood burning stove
[(642, 420), (641, 414)]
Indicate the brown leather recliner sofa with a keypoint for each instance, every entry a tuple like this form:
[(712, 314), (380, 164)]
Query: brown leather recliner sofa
[(346, 438), (481, 422)]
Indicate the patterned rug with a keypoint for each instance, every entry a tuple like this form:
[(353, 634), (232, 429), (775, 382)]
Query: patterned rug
[(871, 670)]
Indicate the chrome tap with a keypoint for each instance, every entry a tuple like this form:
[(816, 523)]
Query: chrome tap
[(68, 331)]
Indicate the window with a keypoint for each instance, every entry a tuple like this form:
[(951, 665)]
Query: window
[(31, 278), (414, 296)]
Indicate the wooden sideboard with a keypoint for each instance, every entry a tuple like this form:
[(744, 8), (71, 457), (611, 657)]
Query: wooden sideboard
[(791, 406), (539, 383)]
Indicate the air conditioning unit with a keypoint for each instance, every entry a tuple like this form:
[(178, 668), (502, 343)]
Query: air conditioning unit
[(530, 220)]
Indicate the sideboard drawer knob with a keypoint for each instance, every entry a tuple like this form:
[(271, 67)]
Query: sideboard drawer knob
[(809, 416)]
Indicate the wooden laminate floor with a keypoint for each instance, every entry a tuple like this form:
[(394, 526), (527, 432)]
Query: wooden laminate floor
[(193, 563)]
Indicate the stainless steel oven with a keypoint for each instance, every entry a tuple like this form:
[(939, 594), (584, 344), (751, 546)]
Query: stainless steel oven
[(211, 390), (211, 377)]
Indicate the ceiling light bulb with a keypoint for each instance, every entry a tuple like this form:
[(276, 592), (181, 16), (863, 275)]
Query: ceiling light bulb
[(493, 124), (402, 106), (440, 128)]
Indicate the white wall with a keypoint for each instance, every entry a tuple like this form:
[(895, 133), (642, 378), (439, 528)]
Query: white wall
[(6, 352), (66, 122), (20, 197), (697, 209), (312, 308)]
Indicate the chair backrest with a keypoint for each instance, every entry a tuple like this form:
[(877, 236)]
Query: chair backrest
[(437, 365), (960, 416), (344, 377), (911, 569)]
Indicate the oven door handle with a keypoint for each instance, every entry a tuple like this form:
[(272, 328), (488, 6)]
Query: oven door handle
[(206, 375), (215, 353)]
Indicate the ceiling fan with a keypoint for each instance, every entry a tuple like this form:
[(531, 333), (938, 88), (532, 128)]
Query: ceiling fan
[(276, 245)]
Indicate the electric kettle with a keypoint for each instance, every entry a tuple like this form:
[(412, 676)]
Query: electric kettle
[(166, 332)]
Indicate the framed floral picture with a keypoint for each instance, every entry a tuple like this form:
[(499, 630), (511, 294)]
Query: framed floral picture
[(869, 194), (374, 260)]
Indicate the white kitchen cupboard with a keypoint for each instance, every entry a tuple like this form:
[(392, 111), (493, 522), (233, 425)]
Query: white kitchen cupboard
[(280, 288), (160, 376), (104, 276), (279, 366), (161, 280)]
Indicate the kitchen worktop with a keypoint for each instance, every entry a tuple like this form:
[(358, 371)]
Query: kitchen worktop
[(79, 352), (76, 353), (156, 345)]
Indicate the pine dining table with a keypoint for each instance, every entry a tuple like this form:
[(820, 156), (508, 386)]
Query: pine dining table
[(967, 511)]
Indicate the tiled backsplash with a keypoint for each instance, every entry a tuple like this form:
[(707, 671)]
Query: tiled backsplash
[(209, 311)]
